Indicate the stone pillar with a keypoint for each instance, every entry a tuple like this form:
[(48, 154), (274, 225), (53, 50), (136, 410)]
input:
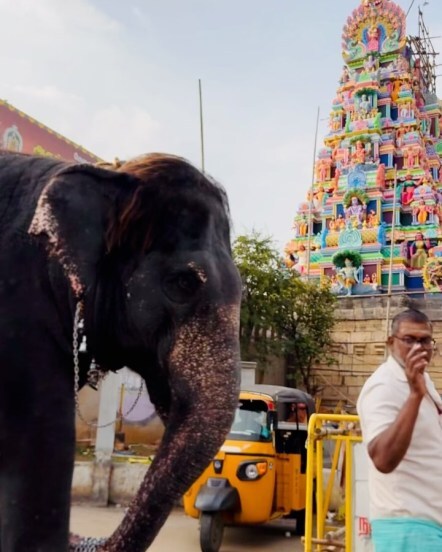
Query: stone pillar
[(104, 446), (248, 373)]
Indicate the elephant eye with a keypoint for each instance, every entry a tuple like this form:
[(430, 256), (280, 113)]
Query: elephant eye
[(181, 287)]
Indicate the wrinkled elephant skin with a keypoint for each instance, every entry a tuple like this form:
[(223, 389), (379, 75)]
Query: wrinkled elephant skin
[(145, 251)]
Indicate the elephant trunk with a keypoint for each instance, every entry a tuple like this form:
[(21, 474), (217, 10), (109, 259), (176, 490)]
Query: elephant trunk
[(204, 379)]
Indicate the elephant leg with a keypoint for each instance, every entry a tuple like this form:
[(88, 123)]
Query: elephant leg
[(36, 474)]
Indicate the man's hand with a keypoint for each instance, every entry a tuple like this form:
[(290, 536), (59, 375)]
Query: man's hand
[(416, 363)]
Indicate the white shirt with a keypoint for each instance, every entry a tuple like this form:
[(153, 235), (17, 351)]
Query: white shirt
[(414, 488)]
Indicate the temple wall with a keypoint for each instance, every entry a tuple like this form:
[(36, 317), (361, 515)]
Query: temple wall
[(360, 335)]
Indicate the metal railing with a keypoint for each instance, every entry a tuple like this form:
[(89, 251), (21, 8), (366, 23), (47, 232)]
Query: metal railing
[(342, 429)]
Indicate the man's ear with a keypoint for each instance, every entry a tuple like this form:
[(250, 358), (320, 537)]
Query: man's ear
[(73, 214)]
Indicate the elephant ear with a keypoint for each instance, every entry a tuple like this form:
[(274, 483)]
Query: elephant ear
[(72, 215)]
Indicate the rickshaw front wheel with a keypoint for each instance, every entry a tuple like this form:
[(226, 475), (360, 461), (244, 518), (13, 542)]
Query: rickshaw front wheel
[(211, 531)]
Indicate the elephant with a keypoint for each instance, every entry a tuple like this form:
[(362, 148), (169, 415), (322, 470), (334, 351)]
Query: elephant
[(136, 261)]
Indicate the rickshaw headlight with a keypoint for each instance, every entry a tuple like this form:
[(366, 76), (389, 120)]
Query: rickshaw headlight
[(250, 471)]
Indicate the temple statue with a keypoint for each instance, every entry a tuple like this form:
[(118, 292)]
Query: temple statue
[(364, 105), (407, 190), (359, 155), (347, 276), (300, 260), (373, 39), (355, 211), (419, 251), (420, 213)]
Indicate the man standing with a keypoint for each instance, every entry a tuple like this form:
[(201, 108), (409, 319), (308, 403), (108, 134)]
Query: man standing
[(401, 420)]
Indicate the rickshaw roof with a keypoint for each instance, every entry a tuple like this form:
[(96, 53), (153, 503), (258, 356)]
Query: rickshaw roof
[(277, 392)]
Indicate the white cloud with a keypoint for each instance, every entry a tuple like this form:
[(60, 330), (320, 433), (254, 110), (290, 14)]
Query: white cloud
[(123, 132), (53, 15), (48, 93)]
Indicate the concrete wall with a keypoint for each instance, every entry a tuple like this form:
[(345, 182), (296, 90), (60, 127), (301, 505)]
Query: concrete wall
[(360, 334), (124, 481)]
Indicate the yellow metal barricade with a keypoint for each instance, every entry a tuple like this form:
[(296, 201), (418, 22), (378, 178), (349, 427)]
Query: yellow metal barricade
[(342, 430)]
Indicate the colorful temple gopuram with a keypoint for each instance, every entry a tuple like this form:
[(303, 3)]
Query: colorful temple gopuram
[(375, 207)]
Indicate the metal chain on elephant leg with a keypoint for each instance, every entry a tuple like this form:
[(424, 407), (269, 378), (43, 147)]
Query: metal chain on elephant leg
[(85, 544)]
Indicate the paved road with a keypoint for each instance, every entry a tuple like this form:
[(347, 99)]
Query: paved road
[(180, 532)]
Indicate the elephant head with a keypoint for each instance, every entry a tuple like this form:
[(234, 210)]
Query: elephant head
[(145, 250)]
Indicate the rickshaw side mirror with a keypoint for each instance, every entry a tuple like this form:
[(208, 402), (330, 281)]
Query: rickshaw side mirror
[(272, 419)]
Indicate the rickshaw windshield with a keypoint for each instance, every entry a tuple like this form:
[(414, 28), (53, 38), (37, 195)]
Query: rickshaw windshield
[(250, 424)]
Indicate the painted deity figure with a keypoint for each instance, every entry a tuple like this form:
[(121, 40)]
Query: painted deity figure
[(347, 276), (373, 39), (410, 158), (364, 105), (380, 176), (355, 211), (335, 121), (407, 193), (321, 170), (334, 183), (345, 76), (319, 197), (400, 133), (340, 222), (359, 154), (395, 90), (300, 260), (420, 213), (423, 190), (370, 64), (301, 227), (372, 219), (418, 251)]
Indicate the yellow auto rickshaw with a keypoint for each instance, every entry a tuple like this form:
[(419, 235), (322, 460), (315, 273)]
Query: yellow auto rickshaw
[(259, 472)]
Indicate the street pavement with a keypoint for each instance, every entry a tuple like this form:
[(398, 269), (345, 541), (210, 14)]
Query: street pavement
[(181, 534)]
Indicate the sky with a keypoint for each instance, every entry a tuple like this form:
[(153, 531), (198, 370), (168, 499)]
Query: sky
[(121, 79)]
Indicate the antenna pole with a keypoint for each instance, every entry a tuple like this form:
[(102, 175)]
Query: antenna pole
[(390, 268), (310, 205), (201, 125)]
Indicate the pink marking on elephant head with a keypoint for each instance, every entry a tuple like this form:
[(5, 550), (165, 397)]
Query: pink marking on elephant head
[(44, 222)]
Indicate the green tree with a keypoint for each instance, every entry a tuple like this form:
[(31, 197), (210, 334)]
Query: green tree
[(304, 323), (282, 315), (258, 262)]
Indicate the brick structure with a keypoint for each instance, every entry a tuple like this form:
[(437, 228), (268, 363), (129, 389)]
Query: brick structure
[(360, 334)]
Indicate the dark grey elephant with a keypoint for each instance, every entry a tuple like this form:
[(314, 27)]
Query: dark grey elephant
[(142, 255)]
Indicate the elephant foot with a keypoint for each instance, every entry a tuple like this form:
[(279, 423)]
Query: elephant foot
[(85, 544)]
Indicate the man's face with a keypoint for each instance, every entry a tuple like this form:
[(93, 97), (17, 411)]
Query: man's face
[(411, 335)]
